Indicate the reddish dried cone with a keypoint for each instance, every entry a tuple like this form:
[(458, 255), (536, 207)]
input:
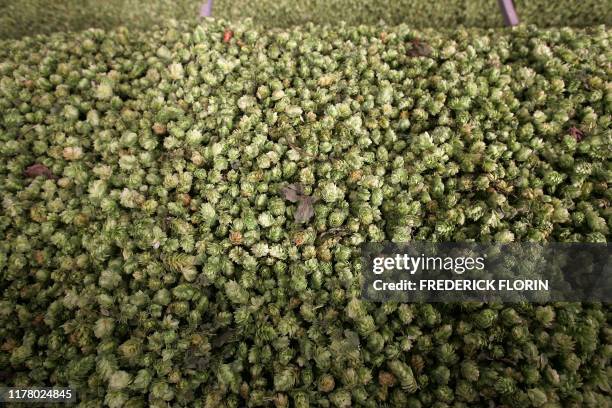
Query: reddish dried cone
[(576, 133), (235, 237), (299, 238), (419, 48), (227, 36), (38, 320), (38, 169), (294, 302), (159, 129), (326, 383), (39, 256), (355, 176), (185, 198), (386, 379)]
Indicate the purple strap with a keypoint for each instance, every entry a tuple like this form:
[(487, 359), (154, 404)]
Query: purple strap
[(206, 9), (509, 13)]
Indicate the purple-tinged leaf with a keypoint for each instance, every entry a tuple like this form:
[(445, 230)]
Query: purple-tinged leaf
[(305, 210), (292, 192)]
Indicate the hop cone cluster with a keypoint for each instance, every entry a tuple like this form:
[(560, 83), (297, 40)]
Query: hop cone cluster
[(182, 208)]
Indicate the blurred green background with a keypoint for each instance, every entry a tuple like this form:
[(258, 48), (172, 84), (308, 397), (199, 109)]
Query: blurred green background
[(30, 17), (420, 13)]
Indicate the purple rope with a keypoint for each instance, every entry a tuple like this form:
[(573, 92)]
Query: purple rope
[(509, 13), (206, 9)]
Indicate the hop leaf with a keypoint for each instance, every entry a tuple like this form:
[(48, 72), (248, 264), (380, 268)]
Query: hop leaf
[(292, 192), (305, 209)]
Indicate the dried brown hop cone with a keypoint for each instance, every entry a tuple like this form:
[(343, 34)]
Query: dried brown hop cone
[(38, 169)]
